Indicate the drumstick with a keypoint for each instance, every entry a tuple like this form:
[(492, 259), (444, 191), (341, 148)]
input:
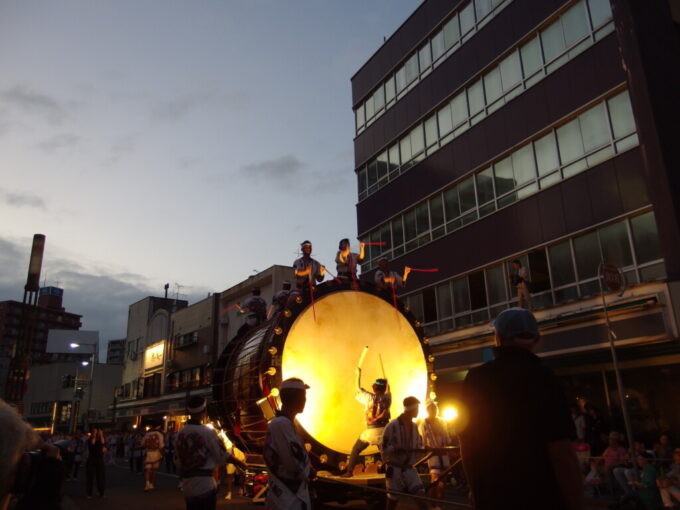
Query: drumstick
[(382, 367), (363, 355)]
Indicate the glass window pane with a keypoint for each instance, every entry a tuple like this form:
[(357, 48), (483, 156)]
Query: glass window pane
[(645, 238), (444, 300), (422, 219), (476, 97), (546, 154), (461, 295), (621, 114), (485, 186), (482, 8), (431, 133), (477, 290), (405, 149), (361, 178), (410, 225), (417, 140), (425, 57), (600, 12), (531, 57), (538, 267), (492, 85), (397, 232), (466, 192), (553, 41), (379, 98), (372, 173), (587, 252), (523, 164), (444, 118), (594, 128), (370, 111), (561, 265), (394, 157), (436, 211), (389, 89), (467, 19), (415, 303), (429, 305), (401, 79), (438, 47), (411, 68), (451, 203), (495, 284), (360, 116), (459, 109), (504, 177), (382, 165), (570, 142), (451, 32), (574, 23), (615, 244), (511, 71)]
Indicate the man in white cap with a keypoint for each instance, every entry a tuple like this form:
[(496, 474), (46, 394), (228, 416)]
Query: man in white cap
[(387, 279), (307, 270), (198, 451), (515, 445), (401, 443), (285, 454)]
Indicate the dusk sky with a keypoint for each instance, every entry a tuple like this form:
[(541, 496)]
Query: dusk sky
[(180, 142)]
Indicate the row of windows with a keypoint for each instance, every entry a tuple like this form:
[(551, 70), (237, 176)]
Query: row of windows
[(192, 377), (595, 135), (454, 33), (575, 30), (186, 339), (559, 273)]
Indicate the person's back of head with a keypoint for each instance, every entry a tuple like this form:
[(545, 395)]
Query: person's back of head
[(293, 393), (196, 406), (516, 327), (16, 436)]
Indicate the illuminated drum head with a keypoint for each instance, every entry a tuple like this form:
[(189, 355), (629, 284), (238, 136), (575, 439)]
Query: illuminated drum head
[(325, 353)]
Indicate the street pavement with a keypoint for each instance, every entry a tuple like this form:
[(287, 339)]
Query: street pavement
[(124, 491)]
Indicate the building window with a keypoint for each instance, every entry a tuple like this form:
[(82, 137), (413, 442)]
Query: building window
[(517, 71), (559, 273), (582, 142)]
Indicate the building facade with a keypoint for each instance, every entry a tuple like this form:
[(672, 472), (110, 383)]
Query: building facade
[(148, 330), (25, 327), (115, 351), (489, 131)]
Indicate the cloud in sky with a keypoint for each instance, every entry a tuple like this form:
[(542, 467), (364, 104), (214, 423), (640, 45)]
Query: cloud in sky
[(28, 100), (279, 169), (19, 199), (101, 297), (181, 106), (59, 141)]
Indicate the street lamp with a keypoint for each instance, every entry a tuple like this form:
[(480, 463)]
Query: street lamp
[(85, 363)]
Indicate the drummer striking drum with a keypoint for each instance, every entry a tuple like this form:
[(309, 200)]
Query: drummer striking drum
[(377, 413)]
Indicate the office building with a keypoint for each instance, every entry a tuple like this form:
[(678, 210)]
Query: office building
[(489, 131)]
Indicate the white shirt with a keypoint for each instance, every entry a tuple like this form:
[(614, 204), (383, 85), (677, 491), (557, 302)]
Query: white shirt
[(198, 447), (288, 465), (396, 437)]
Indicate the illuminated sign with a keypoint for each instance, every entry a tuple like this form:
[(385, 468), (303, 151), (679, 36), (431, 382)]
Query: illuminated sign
[(153, 356)]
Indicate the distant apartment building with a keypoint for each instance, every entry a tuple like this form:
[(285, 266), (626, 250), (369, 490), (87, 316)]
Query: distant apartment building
[(115, 351), (542, 131), (27, 325)]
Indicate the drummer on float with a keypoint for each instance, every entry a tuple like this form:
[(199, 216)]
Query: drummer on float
[(376, 412), (307, 270)]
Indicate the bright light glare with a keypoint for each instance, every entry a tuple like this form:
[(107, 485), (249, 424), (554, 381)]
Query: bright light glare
[(450, 413), (74, 345), (324, 353), (210, 425), (84, 363)]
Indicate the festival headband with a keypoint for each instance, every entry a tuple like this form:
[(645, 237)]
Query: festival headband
[(293, 385), (196, 410)]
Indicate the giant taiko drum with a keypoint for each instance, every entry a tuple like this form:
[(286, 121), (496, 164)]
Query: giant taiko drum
[(321, 343)]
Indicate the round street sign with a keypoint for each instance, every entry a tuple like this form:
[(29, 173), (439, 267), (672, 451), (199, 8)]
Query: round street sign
[(611, 277)]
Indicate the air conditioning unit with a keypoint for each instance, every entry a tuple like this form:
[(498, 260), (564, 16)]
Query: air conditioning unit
[(206, 349)]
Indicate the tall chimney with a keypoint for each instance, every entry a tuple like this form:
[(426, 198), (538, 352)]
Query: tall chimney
[(34, 267)]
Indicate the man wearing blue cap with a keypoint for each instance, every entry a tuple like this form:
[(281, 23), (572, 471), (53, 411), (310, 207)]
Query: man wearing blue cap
[(515, 445)]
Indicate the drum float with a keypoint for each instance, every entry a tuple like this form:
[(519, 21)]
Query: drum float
[(321, 343)]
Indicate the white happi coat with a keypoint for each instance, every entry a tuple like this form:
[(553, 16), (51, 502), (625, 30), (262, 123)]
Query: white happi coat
[(288, 465), (395, 438)]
